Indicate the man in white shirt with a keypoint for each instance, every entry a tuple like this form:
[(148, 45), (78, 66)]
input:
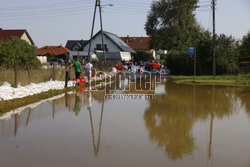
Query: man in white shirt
[(88, 69)]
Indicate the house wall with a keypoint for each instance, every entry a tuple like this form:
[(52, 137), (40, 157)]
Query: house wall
[(82, 54), (26, 38), (160, 51), (126, 56), (42, 59), (98, 40)]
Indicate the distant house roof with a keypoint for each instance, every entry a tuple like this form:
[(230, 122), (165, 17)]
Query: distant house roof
[(72, 44), (52, 50), (116, 40), (244, 61), (137, 43), (7, 34)]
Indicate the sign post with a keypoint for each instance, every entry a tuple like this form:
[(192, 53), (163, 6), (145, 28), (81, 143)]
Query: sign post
[(192, 51)]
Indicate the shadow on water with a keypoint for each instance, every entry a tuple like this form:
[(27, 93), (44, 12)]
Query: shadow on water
[(171, 117)]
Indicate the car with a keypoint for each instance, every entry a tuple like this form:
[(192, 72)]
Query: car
[(53, 60)]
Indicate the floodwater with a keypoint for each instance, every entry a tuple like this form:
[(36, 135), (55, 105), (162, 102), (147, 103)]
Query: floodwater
[(185, 126)]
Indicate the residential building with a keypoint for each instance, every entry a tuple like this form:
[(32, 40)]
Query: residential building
[(75, 45), (22, 34), (19, 33), (55, 51), (143, 43), (115, 48), (244, 64)]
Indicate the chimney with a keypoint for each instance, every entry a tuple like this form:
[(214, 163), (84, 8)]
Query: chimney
[(127, 39)]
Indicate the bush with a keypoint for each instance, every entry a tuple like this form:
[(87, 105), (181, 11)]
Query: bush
[(180, 63), (142, 55)]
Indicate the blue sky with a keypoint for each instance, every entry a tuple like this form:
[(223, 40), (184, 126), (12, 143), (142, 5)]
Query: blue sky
[(53, 22)]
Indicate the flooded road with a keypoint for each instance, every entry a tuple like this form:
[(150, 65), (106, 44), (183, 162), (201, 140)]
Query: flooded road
[(185, 125)]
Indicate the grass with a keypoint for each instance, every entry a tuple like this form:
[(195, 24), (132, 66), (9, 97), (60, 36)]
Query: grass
[(43, 75), (238, 80), (37, 76), (9, 105)]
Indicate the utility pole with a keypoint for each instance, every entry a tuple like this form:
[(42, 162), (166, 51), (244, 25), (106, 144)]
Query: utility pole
[(214, 45), (97, 4), (103, 45), (92, 30)]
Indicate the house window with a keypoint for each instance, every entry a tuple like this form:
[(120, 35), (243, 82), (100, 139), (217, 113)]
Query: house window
[(76, 48), (99, 47)]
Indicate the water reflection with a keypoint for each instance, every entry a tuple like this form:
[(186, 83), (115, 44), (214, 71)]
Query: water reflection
[(170, 120), (78, 104), (73, 103), (171, 117)]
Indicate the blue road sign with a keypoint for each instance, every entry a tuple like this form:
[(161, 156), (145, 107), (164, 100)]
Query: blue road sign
[(191, 50)]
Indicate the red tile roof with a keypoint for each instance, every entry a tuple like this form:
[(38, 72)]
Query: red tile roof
[(52, 50), (7, 34), (137, 43)]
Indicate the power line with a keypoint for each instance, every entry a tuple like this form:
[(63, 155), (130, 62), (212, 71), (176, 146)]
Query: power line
[(45, 12), (41, 5), (209, 19)]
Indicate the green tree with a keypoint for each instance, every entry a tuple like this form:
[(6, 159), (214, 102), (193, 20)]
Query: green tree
[(171, 23), (204, 51), (179, 62), (226, 55), (18, 50), (18, 53), (245, 46)]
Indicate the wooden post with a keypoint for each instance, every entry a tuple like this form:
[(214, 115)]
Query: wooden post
[(66, 78), (53, 72), (16, 73), (28, 70), (195, 64)]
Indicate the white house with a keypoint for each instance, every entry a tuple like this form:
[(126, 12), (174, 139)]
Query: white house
[(115, 48)]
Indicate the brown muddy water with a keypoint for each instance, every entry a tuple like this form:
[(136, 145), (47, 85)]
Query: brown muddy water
[(185, 126)]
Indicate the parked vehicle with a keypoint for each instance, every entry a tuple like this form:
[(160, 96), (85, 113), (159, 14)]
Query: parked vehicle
[(53, 60)]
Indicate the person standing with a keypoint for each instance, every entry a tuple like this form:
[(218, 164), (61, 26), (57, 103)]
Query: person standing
[(78, 69), (88, 70)]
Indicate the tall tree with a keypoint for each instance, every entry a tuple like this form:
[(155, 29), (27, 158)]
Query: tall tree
[(16, 53), (171, 23), (245, 46)]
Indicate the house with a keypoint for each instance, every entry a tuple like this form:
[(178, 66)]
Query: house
[(115, 48), (244, 64), (138, 43), (22, 34), (142, 43), (75, 45), (55, 51)]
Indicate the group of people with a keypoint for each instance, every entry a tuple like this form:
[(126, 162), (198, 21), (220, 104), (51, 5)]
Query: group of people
[(79, 68), (147, 65)]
